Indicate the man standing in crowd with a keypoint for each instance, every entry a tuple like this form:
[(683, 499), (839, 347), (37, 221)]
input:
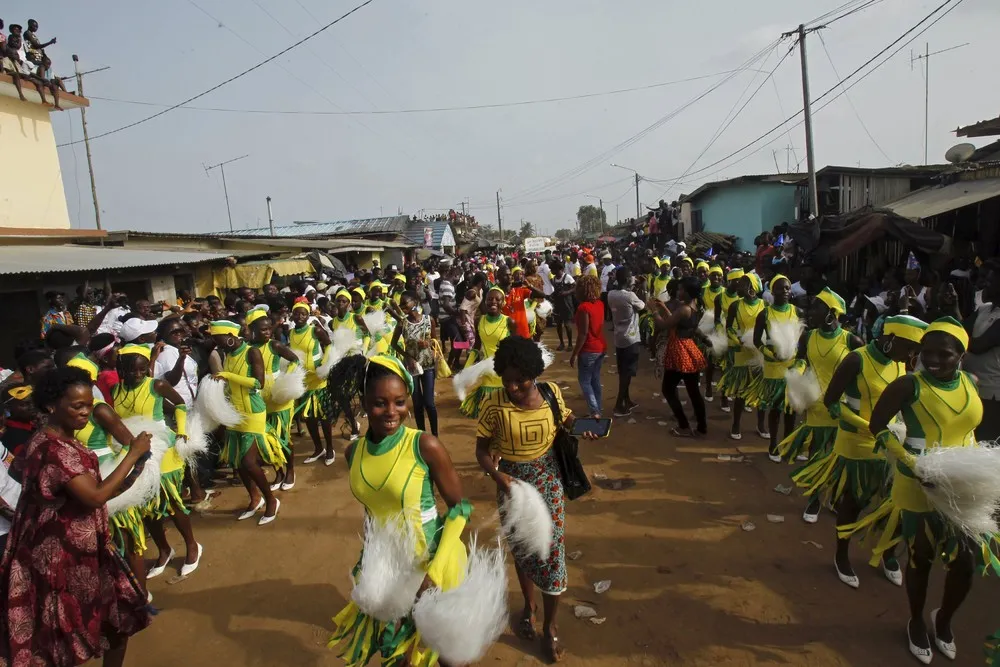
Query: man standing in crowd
[(57, 313), (983, 358), (607, 271), (625, 310)]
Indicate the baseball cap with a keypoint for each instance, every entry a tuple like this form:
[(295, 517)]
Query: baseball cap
[(135, 327)]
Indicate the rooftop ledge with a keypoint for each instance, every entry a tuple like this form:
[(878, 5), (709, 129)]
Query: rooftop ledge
[(66, 100)]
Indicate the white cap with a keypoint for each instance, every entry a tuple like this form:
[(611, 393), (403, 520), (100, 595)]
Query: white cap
[(136, 327), (606, 255)]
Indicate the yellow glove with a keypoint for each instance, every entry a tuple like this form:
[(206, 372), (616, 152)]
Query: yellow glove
[(180, 415), (241, 380), (447, 568)]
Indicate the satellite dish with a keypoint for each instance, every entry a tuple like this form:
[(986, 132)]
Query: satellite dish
[(959, 153)]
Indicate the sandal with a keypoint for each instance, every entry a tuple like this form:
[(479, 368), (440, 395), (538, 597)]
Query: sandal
[(553, 651), (526, 628)]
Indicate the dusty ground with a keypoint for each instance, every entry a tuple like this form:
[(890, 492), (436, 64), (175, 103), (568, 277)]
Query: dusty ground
[(689, 586)]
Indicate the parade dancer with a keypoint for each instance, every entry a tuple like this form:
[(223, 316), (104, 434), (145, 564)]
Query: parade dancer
[(491, 328), (741, 376), (723, 302), (308, 342)]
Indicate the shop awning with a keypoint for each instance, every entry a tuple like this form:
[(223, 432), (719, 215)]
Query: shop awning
[(932, 201), (259, 273)]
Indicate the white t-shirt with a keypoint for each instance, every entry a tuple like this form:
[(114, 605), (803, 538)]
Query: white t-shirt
[(431, 278), (606, 272), (573, 268), (110, 323), (187, 387), (590, 270), (546, 273), (10, 489)]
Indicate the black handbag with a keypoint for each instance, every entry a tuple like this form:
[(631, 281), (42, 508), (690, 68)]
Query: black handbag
[(566, 448)]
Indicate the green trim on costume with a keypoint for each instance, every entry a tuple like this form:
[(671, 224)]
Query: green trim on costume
[(169, 499), (463, 508), (815, 441)]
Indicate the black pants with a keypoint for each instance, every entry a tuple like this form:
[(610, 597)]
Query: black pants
[(670, 381)]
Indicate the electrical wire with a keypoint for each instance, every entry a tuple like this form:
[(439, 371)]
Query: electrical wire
[(253, 68), (863, 7), (851, 102)]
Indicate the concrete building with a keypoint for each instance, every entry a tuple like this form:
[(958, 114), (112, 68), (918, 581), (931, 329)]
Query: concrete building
[(742, 207)]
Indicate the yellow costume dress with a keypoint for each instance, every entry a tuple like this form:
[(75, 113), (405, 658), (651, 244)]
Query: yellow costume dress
[(708, 296), (143, 401), (384, 343), (279, 416), (490, 331), (314, 403), (392, 481), (244, 394), (740, 379), (726, 299), (854, 467), (128, 521), (824, 352), (937, 414), (769, 393)]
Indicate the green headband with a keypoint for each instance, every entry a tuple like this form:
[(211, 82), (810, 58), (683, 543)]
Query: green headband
[(905, 326)]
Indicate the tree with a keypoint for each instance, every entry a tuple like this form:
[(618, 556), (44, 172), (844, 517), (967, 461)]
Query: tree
[(564, 234), (591, 219), (527, 231), (490, 234)]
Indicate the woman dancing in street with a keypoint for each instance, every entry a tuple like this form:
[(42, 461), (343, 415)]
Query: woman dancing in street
[(346, 319), (393, 471), (709, 294), (683, 361), (723, 302), (854, 475), (137, 394), (769, 394), (941, 407), (68, 596), (821, 349), (740, 378), (309, 342), (491, 328), (507, 417)]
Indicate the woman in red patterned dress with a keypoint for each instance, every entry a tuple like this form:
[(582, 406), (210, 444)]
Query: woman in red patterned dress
[(69, 595), (683, 360)]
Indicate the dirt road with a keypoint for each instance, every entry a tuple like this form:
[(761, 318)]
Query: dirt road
[(689, 586)]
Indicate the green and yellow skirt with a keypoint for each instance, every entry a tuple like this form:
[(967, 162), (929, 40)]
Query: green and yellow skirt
[(238, 444), (314, 404), (128, 531), (279, 429), (833, 476), (169, 499), (472, 404), (739, 381), (813, 441)]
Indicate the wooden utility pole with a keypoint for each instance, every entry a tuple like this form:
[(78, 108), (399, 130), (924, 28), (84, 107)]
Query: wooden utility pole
[(807, 110), (499, 222), (86, 139), (222, 167)]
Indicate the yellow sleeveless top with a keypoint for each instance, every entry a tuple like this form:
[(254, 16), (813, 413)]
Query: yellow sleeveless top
[(305, 342), (659, 284), (863, 392), (143, 401), (347, 322), (775, 370), (492, 332), (390, 477), (727, 301), (746, 318), (939, 414), (95, 438), (708, 296), (824, 352), (272, 366), (247, 400)]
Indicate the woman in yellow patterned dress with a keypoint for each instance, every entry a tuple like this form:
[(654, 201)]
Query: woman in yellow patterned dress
[(247, 446), (741, 376), (492, 326), (941, 407), (309, 342), (393, 471), (769, 394), (137, 394), (854, 475)]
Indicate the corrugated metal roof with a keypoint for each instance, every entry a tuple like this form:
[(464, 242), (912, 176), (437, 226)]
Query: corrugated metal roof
[(441, 233), (787, 179), (395, 224), (61, 258), (936, 200)]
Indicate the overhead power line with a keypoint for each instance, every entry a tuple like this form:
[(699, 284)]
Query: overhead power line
[(235, 77)]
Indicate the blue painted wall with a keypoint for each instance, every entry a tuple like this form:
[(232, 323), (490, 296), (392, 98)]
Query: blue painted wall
[(745, 210)]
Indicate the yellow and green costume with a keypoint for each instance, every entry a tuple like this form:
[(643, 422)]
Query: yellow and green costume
[(490, 331), (740, 379), (769, 393), (128, 521), (824, 352), (279, 416), (312, 404), (143, 401), (727, 298), (244, 394), (392, 481)]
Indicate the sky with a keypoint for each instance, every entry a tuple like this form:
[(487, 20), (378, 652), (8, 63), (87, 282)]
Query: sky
[(545, 158)]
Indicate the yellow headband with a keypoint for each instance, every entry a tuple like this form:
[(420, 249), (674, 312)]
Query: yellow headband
[(376, 283), (952, 327), (301, 305), (20, 393), (516, 269), (80, 361), (775, 279), (225, 327), (396, 367), (735, 274), (905, 326), (833, 301), (343, 293), (360, 292), (688, 260), (496, 288), (702, 265), (132, 348), (255, 314), (715, 269), (754, 281)]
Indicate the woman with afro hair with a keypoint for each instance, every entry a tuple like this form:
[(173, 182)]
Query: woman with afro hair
[(518, 424)]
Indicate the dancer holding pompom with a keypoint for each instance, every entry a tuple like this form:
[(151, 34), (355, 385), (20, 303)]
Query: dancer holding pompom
[(491, 328), (821, 349), (741, 376), (519, 424), (394, 470), (854, 475), (709, 295), (309, 342), (723, 302), (941, 408)]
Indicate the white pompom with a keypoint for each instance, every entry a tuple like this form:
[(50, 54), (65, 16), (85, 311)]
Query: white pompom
[(966, 486), (544, 309), (288, 386), (377, 324), (547, 356), (526, 520), (390, 574), (802, 389), (719, 342), (898, 428), (706, 325), (784, 338), (469, 378), (462, 623), (342, 343), (214, 406), (196, 442), (147, 485), (747, 340)]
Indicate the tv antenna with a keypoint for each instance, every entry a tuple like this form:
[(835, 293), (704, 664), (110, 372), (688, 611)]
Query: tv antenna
[(222, 167)]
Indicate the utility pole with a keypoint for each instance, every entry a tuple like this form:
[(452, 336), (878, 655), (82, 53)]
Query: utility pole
[(637, 178), (499, 222), (222, 167), (86, 138), (603, 219), (927, 83), (807, 110), (270, 218)]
